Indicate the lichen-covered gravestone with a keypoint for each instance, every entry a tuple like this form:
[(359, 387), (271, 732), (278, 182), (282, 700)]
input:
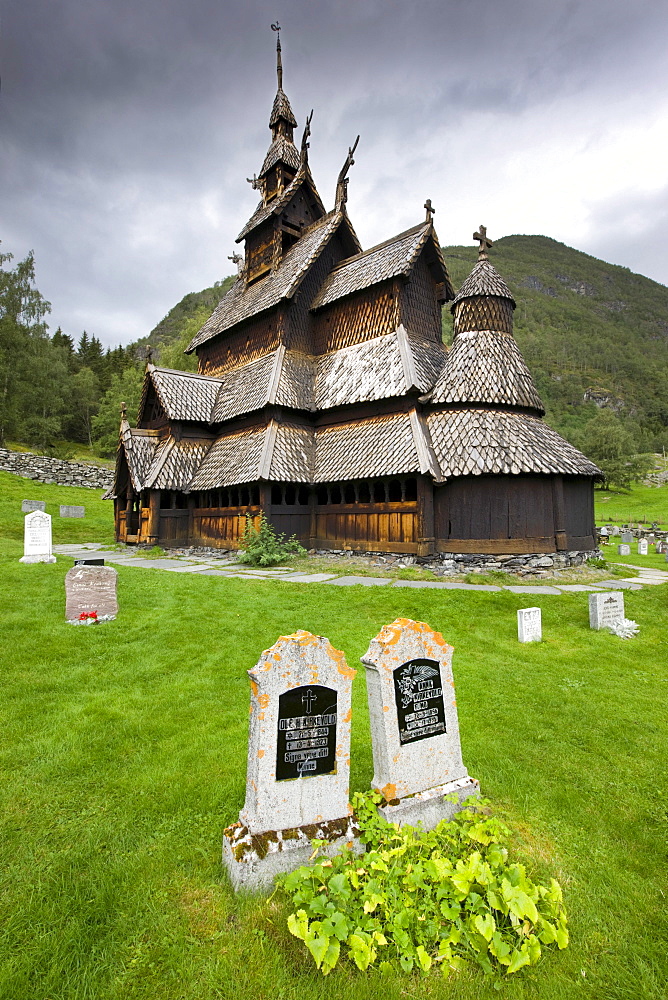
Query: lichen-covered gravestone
[(37, 538), (606, 609), (417, 755), (298, 761), (90, 589), (529, 625)]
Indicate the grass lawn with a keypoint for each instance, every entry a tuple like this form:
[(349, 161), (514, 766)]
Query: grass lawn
[(123, 756), (641, 503)]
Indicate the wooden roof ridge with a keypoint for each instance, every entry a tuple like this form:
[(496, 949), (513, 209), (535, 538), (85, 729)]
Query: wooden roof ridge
[(484, 280), (428, 462), (243, 302), (276, 205), (486, 366), (392, 258)]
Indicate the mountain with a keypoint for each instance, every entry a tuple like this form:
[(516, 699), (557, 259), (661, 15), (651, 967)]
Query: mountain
[(594, 335)]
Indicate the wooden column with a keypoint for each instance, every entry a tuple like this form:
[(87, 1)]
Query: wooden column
[(426, 538), (559, 509), (152, 519), (191, 520), (265, 498), (313, 521)]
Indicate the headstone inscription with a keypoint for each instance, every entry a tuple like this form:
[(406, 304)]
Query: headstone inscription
[(529, 625), (70, 510), (642, 547), (90, 589), (627, 537), (605, 609), (623, 550), (414, 729), (298, 761), (37, 538), (29, 505)]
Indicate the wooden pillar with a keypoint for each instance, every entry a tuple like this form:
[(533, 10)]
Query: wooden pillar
[(559, 509), (265, 498), (313, 519), (426, 539), (190, 500), (152, 520)]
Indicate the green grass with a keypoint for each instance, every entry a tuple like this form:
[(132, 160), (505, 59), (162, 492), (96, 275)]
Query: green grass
[(123, 756), (96, 526), (640, 504)]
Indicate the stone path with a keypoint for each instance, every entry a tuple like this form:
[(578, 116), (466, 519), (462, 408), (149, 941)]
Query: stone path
[(229, 567)]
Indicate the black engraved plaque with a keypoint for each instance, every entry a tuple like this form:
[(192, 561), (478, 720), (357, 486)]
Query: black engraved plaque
[(306, 743), (419, 699)]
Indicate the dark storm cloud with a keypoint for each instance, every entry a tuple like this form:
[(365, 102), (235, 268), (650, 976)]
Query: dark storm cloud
[(129, 127)]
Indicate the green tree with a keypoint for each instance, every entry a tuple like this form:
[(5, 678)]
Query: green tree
[(126, 388), (85, 398), (610, 444)]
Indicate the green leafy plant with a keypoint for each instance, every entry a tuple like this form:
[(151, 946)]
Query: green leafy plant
[(448, 898), (265, 547)]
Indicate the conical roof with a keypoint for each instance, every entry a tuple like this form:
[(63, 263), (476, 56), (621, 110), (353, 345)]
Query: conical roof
[(484, 279), (282, 110)]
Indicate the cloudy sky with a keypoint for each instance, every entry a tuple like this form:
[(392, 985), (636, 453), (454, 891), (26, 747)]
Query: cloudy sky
[(129, 127)]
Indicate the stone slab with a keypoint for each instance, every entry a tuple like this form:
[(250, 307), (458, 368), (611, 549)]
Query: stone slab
[(443, 585), (72, 510), (605, 609), (365, 581), (650, 581), (576, 588), (28, 506), (309, 577), (414, 725), (529, 625), (90, 588), (533, 590), (629, 584), (37, 538), (212, 572)]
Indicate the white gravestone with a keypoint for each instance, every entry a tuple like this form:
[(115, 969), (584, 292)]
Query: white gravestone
[(606, 609), (37, 538), (298, 761), (29, 505), (417, 756), (69, 510), (627, 537), (615, 530), (623, 550), (604, 532), (642, 547), (90, 589), (529, 625), (659, 548)]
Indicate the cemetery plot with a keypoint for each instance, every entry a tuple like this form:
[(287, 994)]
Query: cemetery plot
[(90, 591), (298, 761), (414, 727), (37, 545)]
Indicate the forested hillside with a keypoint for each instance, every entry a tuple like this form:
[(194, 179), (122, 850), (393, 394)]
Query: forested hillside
[(595, 337)]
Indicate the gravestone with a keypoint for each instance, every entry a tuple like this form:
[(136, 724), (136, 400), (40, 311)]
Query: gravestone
[(529, 625), (623, 550), (642, 547), (89, 562), (37, 538), (605, 609), (298, 761), (417, 756), (69, 510), (88, 589), (603, 532), (659, 548), (29, 505), (627, 537), (614, 530), (651, 537)]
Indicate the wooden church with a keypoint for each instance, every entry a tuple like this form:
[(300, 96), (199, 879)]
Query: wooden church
[(326, 398)]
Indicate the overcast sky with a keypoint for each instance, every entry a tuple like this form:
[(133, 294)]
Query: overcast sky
[(129, 127)]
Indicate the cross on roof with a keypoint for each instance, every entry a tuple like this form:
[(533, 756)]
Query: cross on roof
[(485, 244), (430, 211)]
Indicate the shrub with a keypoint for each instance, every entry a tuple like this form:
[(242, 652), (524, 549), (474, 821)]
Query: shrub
[(264, 547)]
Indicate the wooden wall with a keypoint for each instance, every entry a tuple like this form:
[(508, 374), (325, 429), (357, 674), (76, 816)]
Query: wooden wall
[(420, 308), (356, 318)]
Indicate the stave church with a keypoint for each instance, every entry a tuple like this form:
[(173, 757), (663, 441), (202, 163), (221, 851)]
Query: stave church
[(326, 399)]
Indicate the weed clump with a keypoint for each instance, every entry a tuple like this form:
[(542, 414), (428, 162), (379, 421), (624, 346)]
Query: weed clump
[(263, 546)]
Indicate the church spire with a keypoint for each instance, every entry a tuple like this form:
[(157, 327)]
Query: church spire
[(279, 62)]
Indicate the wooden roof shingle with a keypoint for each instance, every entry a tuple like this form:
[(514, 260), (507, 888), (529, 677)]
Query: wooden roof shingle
[(184, 395), (484, 279)]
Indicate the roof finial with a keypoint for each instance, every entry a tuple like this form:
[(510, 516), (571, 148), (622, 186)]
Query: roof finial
[(342, 180), (430, 211), (237, 259), (279, 64), (124, 411), (305, 137), (485, 244)]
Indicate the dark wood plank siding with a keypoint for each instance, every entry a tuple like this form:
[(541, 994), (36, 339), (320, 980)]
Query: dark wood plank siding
[(389, 527), (579, 511), (301, 323), (253, 340)]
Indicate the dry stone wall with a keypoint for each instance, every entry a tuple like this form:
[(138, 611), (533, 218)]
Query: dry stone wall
[(43, 469)]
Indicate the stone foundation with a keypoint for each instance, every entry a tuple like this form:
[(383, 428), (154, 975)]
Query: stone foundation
[(453, 563), (427, 809)]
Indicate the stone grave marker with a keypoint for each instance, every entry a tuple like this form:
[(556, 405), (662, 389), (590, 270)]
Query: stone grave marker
[(298, 761), (615, 530), (89, 562), (623, 550), (605, 609), (417, 756), (666, 556), (37, 538), (627, 537), (70, 510), (603, 532), (659, 548), (529, 625), (642, 547), (89, 589), (29, 505)]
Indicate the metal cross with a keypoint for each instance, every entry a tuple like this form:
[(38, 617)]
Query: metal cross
[(430, 211), (485, 244), (307, 700)]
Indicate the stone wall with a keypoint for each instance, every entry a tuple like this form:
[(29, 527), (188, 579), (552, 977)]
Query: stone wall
[(450, 564), (54, 470)]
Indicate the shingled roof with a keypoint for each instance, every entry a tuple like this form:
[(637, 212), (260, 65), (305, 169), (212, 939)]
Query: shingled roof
[(486, 367), (276, 205), (484, 279), (281, 150), (282, 109), (245, 301), (175, 463), (394, 257), (473, 442), (139, 446), (184, 395)]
